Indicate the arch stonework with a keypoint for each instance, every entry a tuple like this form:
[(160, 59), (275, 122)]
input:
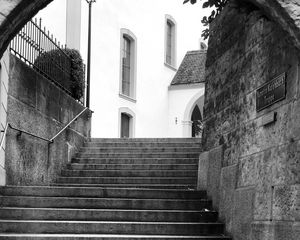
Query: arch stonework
[(187, 127), (285, 13), (15, 13), (192, 103), (13, 16)]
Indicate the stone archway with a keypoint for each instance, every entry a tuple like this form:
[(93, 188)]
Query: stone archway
[(15, 13), (13, 16), (197, 99)]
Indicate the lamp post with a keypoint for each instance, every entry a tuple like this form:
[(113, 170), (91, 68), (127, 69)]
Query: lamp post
[(90, 2)]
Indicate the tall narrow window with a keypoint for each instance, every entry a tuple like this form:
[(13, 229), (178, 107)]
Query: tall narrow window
[(126, 66), (196, 122), (170, 42)]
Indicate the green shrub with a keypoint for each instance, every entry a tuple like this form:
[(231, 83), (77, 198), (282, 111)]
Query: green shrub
[(68, 74)]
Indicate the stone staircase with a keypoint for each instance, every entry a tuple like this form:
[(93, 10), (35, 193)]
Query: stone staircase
[(116, 189)]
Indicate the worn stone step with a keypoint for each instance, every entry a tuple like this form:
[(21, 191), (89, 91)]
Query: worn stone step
[(77, 166), (91, 150), (128, 180), (107, 215), (45, 191), (104, 203), (188, 187), (174, 161), (14, 236), (146, 140), (143, 144), (140, 155), (107, 227), (129, 173)]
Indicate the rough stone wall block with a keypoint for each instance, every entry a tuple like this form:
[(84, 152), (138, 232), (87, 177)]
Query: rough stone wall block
[(275, 230), (214, 173), (203, 171), (243, 213), (2, 176), (228, 183)]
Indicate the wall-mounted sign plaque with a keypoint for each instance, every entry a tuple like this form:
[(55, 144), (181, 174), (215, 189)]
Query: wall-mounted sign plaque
[(271, 92)]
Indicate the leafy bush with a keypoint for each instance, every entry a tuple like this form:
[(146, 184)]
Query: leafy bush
[(65, 67), (77, 73), (218, 4)]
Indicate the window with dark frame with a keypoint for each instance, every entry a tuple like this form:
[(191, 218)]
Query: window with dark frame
[(126, 66), (169, 54), (125, 125)]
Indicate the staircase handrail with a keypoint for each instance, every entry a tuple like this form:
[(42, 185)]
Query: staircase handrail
[(28, 133), (8, 125), (65, 127), (4, 134)]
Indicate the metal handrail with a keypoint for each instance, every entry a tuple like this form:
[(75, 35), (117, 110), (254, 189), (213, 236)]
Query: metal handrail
[(8, 125), (64, 128), (28, 133), (4, 134)]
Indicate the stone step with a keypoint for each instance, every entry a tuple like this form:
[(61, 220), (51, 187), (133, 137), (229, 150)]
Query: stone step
[(107, 227), (189, 187), (139, 155), (129, 173), (133, 167), (142, 144), (14, 236), (107, 215), (128, 180), (173, 161), (145, 140), (90, 150), (104, 203), (116, 189), (44, 191)]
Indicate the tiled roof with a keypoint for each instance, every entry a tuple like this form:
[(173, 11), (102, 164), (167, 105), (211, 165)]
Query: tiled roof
[(192, 68)]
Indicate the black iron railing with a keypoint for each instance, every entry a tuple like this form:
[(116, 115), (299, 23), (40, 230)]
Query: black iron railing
[(40, 50)]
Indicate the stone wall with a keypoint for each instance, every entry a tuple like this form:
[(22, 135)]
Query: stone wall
[(258, 167), (39, 107), (4, 76)]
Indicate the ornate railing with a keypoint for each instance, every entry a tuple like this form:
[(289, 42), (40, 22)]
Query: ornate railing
[(35, 46)]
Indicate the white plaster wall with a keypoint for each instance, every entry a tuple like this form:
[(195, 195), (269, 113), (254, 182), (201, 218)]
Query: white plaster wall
[(146, 20), (182, 100), (4, 76)]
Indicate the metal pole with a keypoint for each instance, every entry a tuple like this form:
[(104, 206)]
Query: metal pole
[(89, 58)]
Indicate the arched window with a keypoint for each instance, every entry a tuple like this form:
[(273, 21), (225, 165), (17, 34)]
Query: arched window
[(125, 125), (170, 42), (128, 64)]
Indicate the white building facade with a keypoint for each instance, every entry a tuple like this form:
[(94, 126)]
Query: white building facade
[(137, 47)]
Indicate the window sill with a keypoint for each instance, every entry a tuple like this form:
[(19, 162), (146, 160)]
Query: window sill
[(170, 66), (127, 98)]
